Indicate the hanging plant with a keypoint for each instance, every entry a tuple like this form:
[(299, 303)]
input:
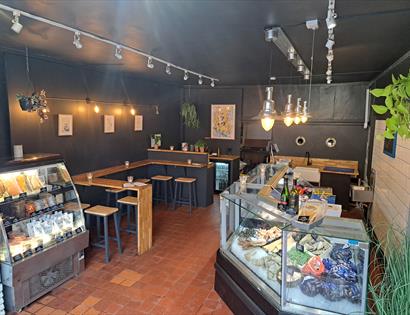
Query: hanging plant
[(36, 102), (189, 115), (397, 103)]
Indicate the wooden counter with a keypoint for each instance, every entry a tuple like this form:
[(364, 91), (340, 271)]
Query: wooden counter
[(223, 157), (176, 151)]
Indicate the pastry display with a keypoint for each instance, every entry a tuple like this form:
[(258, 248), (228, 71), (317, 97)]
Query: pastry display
[(3, 190), (13, 189), (258, 237), (63, 174), (35, 182), (21, 181)]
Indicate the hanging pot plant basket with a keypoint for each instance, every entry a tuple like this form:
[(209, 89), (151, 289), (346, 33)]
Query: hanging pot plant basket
[(397, 103), (37, 102), (189, 115)]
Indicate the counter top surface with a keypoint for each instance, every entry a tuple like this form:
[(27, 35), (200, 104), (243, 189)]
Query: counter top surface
[(224, 157), (177, 151)]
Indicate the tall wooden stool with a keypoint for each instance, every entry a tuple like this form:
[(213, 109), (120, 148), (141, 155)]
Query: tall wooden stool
[(105, 213), (193, 199), (112, 195), (143, 180), (166, 182), (130, 202)]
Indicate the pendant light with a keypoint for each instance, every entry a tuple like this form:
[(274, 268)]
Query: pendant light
[(298, 112), (305, 114), (268, 112), (288, 113)]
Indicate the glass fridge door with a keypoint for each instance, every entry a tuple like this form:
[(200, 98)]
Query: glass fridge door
[(221, 176)]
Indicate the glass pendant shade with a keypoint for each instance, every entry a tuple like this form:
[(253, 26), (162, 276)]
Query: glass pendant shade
[(268, 112), (305, 114), (288, 113), (298, 112)]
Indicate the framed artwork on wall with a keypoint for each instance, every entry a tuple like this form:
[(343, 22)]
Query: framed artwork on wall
[(109, 123), (65, 125), (138, 123), (223, 121), (389, 146)]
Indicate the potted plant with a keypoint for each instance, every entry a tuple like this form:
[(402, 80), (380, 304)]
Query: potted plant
[(200, 144), (189, 115), (397, 103), (36, 102)]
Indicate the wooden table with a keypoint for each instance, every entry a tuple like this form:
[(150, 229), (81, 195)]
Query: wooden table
[(144, 195)]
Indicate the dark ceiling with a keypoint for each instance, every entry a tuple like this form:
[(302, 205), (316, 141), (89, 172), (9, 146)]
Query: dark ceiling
[(223, 39)]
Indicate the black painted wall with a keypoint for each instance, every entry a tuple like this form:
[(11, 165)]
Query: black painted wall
[(89, 148), (337, 110), (4, 113)]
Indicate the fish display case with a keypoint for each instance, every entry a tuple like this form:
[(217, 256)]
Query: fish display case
[(259, 245), (42, 230)]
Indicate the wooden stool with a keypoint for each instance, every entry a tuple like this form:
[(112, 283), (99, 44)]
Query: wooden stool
[(113, 193), (191, 182), (167, 186), (73, 206), (130, 202), (143, 180), (105, 212)]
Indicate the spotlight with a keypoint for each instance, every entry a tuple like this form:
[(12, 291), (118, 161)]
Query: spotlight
[(96, 109), (329, 79), (168, 69), (185, 75), (118, 52), (16, 27), (291, 53), (331, 20), (306, 74), (212, 83), (329, 72), (132, 111), (149, 63), (301, 66), (330, 55), (330, 43), (76, 41), (200, 80)]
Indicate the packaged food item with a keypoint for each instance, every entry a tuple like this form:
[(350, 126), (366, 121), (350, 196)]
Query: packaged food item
[(18, 208), (297, 257), (317, 246), (311, 286), (21, 181), (3, 190), (48, 199), (314, 267), (293, 277), (63, 174), (30, 207), (13, 189)]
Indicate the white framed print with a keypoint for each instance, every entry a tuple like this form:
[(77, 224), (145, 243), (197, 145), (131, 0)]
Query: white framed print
[(138, 122), (65, 125), (223, 121), (109, 123)]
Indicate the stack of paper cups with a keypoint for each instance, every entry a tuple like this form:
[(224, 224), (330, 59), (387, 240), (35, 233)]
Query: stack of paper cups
[(18, 151)]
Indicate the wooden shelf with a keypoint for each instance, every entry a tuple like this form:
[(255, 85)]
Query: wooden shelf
[(177, 151)]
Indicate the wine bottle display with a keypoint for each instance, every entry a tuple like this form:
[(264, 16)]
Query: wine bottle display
[(293, 207), (284, 196)]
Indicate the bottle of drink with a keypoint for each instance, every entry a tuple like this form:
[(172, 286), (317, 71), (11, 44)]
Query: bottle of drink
[(293, 208), (284, 196)]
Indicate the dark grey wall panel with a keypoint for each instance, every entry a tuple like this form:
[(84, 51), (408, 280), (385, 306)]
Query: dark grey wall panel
[(4, 113), (89, 148)]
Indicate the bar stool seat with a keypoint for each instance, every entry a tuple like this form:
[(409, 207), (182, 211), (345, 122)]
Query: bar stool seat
[(115, 190), (143, 180), (193, 199), (73, 206), (113, 193), (166, 182), (105, 212), (130, 202)]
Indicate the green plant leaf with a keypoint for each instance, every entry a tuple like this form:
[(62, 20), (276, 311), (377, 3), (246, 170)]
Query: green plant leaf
[(403, 130), (388, 134), (402, 109), (392, 123), (408, 88), (379, 109), (377, 92), (388, 89), (393, 79), (389, 102)]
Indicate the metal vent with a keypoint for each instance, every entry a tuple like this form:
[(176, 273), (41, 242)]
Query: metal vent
[(50, 277)]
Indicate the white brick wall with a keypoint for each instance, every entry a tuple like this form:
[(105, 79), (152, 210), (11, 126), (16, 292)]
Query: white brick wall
[(392, 193)]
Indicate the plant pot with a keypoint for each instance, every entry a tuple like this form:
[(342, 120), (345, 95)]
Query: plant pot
[(202, 149), (156, 146), (25, 103), (196, 149)]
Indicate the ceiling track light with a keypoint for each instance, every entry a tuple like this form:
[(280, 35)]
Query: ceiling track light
[(186, 77), (149, 63), (306, 74), (168, 69), (212, 83), (301, 66), (76, 41), (118, 54), (291, 53), (16, 26), (200, 80)]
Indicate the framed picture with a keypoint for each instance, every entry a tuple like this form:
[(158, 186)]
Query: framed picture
[(155, 140), (223, 121), (389, 147), (109, 123), (138, 123), (65, 125)]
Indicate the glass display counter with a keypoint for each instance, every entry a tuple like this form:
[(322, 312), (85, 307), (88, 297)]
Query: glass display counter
[(42, 228), (325, 267)]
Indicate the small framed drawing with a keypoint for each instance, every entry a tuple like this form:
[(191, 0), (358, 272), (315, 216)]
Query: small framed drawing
[(223, 121), (65, 125), (109, 123), (138, 123), (389, 146)]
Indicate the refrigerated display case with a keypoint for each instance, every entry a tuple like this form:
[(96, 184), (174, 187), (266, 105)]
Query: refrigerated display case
[(222, 176), (259, 244), (42, 230)]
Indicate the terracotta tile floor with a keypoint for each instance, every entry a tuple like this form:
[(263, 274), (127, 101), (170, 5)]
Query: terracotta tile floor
[(175, 277)]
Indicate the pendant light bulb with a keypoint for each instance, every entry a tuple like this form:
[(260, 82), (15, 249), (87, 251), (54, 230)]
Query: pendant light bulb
[(118, 52), (268, 112), (168, 69), (298, 112), (186, 77), (305, 114), (132, 111), (76, 41), (304, 119), (96, 109), (288, 112), (288, 121), (200, 80), (16, 26), (149, 63)]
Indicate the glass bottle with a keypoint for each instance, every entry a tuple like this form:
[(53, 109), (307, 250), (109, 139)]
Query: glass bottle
[(284, 195)]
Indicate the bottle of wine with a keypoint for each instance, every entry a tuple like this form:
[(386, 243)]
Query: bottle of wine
[(293, 207), (284, 196)]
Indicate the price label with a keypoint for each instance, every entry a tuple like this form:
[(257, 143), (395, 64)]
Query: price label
[(68, 234), (28, 253), (300, 247), (78, 230), (8, 198), (59, 239), (304, 218), (43, 189), (23, 195), (17, 258), (38, 248), (314, 236)]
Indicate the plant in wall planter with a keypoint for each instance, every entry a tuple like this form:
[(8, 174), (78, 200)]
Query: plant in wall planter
[(200, 144), (37, 102), (397, 103), (189, 115)]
